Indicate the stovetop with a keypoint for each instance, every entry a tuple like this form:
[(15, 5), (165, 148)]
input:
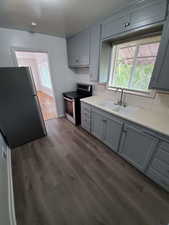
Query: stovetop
[(75, 95)]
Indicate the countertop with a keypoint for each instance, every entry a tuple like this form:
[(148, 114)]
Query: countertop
[(157, 121)]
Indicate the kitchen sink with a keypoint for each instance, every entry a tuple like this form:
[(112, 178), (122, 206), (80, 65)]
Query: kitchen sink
[(118, 108)]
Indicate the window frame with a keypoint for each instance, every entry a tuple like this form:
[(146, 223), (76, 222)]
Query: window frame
[(137, 42)]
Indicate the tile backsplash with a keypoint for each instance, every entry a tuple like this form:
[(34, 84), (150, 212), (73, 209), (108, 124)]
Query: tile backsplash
[(159, 103)]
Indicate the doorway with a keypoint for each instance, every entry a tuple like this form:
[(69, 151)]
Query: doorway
[(39, 65)]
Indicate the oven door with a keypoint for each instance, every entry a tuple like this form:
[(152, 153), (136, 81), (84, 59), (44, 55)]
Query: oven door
[(70, 109)]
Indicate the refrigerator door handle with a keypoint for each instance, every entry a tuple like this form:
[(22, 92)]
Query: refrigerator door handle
[(30, 76)]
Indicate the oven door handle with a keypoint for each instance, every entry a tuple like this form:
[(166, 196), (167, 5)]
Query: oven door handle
[(68, 99)]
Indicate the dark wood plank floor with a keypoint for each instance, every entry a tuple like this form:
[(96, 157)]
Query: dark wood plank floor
[(70, 178)]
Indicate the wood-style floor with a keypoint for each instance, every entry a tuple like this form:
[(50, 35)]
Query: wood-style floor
[(70, 178), (47, 104)]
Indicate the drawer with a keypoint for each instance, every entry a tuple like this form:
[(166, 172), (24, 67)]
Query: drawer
[(157, 178), (162, 155), (107, 115), (161, 167)]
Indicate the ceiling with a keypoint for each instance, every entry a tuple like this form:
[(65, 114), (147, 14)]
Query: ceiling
[(56, 17)]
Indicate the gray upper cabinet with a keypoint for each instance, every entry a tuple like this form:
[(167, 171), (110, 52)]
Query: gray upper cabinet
[(114, 25), (160, 76), (94, 52), (146, 14), (137, 146), (135, 17), (78, 50), (106, 128)]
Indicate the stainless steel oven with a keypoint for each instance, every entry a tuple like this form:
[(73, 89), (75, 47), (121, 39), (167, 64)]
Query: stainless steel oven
[(72, 102), (70, 109)]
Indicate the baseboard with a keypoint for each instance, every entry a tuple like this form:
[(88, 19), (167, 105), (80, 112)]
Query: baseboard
[(10, 190)]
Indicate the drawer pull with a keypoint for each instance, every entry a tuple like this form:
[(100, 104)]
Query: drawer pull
[(104, 121)]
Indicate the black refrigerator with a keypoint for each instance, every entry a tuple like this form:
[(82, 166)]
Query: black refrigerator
[(21, 118)]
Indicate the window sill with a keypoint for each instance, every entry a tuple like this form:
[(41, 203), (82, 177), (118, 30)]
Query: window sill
[(149, 94)]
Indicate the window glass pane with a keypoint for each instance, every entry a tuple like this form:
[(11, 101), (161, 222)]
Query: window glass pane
[(133, 63), (145, 61), (123, 66)]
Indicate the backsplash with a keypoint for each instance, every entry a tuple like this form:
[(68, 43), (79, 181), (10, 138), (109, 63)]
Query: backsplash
[(159, 103)]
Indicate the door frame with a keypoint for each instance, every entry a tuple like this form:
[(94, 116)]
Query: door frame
[(34, 50)]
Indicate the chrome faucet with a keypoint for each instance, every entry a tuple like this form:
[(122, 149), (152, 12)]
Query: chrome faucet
[(121, 102)]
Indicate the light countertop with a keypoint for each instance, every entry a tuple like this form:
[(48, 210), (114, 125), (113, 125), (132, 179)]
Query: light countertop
[(157, 121)]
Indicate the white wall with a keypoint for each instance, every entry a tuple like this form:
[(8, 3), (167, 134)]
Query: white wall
[(63, 79)]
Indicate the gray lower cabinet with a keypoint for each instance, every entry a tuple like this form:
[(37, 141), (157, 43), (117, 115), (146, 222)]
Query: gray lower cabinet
[(160, 76), (144, 149), (159, 167), (86, 116), (137, 146), (98, 126), (106, 128)]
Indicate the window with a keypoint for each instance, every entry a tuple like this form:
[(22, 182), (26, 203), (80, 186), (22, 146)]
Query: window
[(132, 64)]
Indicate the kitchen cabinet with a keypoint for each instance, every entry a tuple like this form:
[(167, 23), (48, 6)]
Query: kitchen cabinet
[(134, 17), (98, 125), (147, 150), (114, 25), (137, 146), (86, 116), (78, 49), (106, 128), (95, 33), (105, 56), (160, 76), (113, 130), (159, 167), (146, 14)]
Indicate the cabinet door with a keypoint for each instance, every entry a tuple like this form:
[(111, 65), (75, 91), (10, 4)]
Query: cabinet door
[(137, 146), (114, 25), (98, 126), (78, 49), (94, 52), (113, 133), (160, 76), (146, 14)]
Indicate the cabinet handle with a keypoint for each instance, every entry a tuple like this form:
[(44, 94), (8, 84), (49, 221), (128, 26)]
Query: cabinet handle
[(104, 121), (77, 60), (127, 24), (4, 155)]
